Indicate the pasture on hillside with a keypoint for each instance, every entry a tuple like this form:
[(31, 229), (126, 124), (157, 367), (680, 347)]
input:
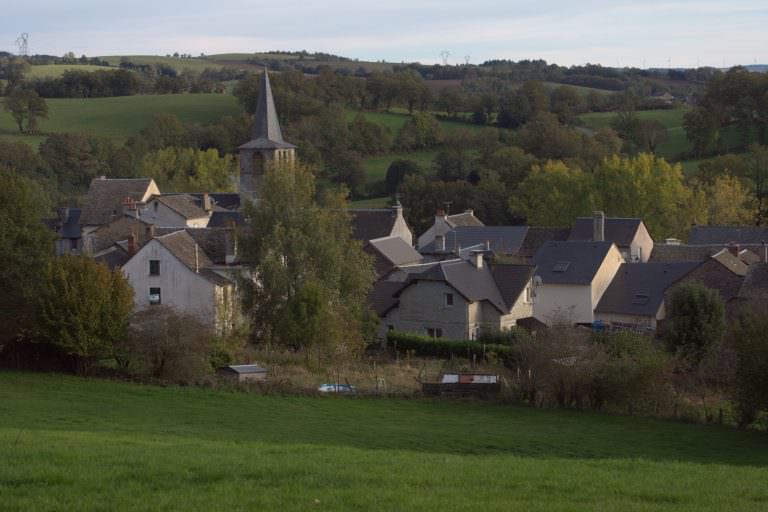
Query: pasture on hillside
[(120, 117), (672, 119), (69, 443), (56, 70)]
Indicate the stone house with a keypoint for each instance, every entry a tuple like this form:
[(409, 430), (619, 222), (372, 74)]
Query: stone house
[(174, 269), (455, 299), (571, 278), (635, 298), (444, 223), (177, 210)]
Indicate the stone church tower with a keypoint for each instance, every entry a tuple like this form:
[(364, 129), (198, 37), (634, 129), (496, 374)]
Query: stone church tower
[(266, 145)]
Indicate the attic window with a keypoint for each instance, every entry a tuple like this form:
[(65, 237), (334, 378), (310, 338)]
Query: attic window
[(640, 299), (561, 266)]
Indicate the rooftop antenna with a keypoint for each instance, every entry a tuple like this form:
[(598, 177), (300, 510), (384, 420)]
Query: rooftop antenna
[(444, 56), (22, 43), (466, 60)]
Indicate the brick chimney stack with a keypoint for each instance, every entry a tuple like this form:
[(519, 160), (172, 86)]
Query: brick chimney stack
[(131, 244), (733, 248)]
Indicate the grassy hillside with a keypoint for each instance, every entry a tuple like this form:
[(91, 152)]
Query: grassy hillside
[(195, 63), (672, 119), (56, 70), (122, 116), (74, 444)]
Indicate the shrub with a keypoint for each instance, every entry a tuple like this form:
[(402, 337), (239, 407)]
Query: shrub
[(442, 347), (695, 320)]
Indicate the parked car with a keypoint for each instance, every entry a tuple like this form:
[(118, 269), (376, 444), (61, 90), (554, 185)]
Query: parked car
[(337, 388)]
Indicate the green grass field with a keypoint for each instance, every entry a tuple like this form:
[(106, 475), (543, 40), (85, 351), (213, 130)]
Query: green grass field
[(582, 90), (123, 116), (72, 444), (56, 70), (195, 63), (672, 119)]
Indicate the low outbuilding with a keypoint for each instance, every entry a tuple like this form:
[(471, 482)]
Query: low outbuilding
[(242, 372)]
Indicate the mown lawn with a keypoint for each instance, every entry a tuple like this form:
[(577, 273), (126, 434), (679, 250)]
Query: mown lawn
[(73, 444), (123, 116)]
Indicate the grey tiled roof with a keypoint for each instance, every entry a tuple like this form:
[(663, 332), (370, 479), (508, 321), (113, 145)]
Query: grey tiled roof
[(638, 288), (578, 261), (755, 284), (701, 235), (225, 219), (503, 240), (105, 198), (620, 231), (731, 262), (368, 224), (536, 236), (668, 253), (463, 219), (396, 250), (183, 204), (382, 296), (511, 280), (266, 133)]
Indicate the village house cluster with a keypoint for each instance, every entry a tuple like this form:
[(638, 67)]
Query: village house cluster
[(458, 279)]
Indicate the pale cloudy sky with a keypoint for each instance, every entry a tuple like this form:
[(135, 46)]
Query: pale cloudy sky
[(627, 33)]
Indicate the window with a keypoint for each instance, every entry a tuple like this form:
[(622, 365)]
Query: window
[(528, 297), (434, 332), (561, 266), (154, 296), (640, 299), (448, 299), (154, 267), (154, 206)]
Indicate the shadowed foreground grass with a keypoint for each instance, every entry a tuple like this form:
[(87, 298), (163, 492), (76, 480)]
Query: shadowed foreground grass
[(75, 444)]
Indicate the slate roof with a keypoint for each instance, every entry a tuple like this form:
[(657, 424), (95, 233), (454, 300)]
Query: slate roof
[(212, 241), (755, 284), (182, 245), (511, 280), (119, 229), (105, 198), (731, 262), (620, 231), (723, 235), (396, 250), (503, 240), (184, 204), (368, 224), (266, 133), (382, 296), (668, 253), (115, 258), (466, 218), (225, 200), (472, 283), (579, 261), (536, 236), (226, 219), (638, 288), (749, 257)]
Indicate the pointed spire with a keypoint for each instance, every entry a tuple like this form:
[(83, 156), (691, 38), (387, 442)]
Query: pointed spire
[(265, 122)]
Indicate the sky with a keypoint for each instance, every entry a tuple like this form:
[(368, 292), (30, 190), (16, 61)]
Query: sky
[(646, 33)]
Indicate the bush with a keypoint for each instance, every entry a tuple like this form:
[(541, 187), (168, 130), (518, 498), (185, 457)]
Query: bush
[(695, 320), (442, 347), (749, 336), (168, 345)]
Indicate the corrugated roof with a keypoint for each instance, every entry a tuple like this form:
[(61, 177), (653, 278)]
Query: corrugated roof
[(620, 231), (583, 258), (105, 198), (723, 235), (638, 288)]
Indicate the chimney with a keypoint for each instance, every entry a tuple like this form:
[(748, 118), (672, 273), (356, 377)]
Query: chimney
[(477, 259), (149, 232), (440, 213), (765, 251), (440, 243), (131, 244), (733, 248), (598, 227), (469, 211), (207, 206), (197, 259)]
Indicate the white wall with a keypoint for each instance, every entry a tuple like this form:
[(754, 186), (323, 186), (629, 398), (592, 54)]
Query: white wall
[(567, 302), (422, 305), (181, 288), (605, 274), (401, 228), (642, 245)]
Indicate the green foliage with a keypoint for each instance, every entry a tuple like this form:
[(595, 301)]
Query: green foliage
[(75, 159), (545, 137), (695, 320), (749, 336), (397, 171), (421, 131), (445, 348), (26, 106), (84, 308), (309, 268), (25, 247), (191, 170)]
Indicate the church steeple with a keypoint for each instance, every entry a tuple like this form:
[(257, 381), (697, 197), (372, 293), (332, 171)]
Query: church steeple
[(266, 145)]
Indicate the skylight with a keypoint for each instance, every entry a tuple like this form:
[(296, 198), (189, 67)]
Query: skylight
[(640, 299), (561, 266)]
